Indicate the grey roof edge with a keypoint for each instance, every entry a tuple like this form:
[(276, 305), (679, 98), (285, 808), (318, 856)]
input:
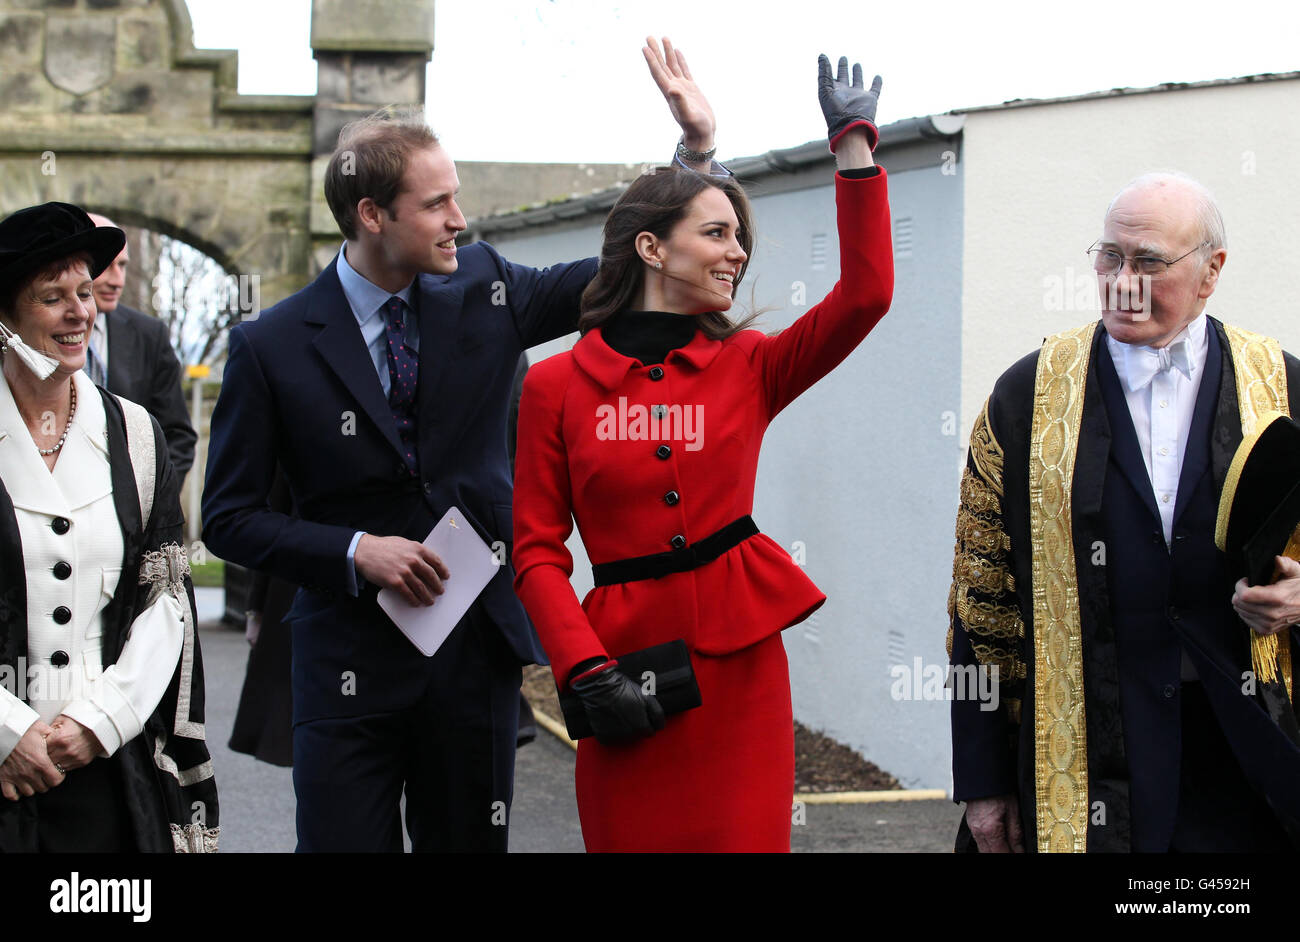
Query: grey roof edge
[(1125, 91), (773, 162)]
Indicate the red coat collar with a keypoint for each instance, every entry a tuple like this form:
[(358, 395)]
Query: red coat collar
[(608, 367)]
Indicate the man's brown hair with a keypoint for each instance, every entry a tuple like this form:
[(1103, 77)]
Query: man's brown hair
[(370, 160)]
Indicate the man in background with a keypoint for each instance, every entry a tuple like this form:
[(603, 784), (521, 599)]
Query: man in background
[(131, 355)]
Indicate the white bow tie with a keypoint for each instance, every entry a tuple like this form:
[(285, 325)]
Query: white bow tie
[(1142, 363)]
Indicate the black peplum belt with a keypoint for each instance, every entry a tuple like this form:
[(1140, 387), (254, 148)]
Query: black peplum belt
[(658, 565)]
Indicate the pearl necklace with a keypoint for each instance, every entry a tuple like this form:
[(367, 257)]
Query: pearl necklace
[(46, 452)]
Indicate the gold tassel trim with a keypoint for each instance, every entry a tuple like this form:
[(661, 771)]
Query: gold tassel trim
[(1263, 657)]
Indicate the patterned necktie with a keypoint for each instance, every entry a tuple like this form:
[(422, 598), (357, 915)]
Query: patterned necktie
[(403, 376)]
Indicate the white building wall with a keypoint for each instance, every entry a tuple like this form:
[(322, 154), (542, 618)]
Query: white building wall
[(855, 471)]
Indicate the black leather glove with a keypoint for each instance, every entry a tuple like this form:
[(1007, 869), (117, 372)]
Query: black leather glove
[(847, 106), (617, 707)]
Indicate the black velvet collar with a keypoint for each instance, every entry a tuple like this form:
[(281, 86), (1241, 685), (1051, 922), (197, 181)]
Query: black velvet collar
[(647, 336)]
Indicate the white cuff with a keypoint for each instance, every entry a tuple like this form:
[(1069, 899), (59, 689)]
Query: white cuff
[(353, 580), (101, 721), (17, 719)]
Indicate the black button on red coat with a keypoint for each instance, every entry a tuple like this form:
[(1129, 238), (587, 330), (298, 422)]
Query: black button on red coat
[(656, 373), (663, 452), (678, 542), (671, 498)]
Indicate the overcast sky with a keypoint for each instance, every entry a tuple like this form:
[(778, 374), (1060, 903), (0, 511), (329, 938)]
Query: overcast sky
[(564, 80)]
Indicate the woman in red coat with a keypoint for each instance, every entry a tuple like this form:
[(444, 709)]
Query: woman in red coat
[(647, 433)]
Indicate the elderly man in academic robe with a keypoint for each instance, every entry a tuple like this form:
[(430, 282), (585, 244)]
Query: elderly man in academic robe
[(1131, 714)]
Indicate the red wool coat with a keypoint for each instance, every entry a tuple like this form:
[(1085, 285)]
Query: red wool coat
[(590, 449), (615, 488)]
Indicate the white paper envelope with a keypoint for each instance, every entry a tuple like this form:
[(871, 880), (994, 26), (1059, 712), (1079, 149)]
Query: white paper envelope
[(471, 564)]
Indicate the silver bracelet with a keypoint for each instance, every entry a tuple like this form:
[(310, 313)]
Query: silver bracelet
[(715, 169), (694, 156)]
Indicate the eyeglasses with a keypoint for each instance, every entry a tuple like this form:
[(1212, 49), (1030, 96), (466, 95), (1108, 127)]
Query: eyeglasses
[(1109, 262)]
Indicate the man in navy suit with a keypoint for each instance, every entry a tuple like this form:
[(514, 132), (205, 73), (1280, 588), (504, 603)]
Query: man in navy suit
[(1087, 577), (382, 391)]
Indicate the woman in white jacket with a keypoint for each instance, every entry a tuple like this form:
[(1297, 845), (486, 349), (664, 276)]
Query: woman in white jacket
[(101, 696)]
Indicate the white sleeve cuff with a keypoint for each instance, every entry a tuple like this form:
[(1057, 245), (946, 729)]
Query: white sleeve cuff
[(16, 718), (95, 718), (353, 586)]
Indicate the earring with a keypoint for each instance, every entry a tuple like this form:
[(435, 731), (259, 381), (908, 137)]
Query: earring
[(659, 266)]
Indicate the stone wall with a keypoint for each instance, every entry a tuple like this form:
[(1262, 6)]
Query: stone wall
[(488, 187), (106, 103)]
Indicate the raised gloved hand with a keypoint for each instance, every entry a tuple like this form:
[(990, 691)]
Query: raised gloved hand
[(847, 106), (616, 706)]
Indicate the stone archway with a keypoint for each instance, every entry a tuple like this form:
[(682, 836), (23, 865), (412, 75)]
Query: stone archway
[(107, 104)]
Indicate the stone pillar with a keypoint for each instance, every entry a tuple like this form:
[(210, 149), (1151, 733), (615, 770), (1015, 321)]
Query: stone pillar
[(369, 54)]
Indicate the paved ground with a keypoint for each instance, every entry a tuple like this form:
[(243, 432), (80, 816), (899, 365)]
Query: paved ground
[(257, 804)]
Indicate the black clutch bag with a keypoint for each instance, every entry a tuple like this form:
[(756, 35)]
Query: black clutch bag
[(663, 671)]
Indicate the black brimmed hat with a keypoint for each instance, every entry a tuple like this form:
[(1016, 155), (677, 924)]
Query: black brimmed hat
[(34, 237), (1260, 505)]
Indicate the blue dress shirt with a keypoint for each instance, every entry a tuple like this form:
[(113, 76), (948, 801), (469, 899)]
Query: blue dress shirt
[(367, 300)]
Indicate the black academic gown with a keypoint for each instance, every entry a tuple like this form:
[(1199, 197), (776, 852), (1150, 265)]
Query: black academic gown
[(994, 751)]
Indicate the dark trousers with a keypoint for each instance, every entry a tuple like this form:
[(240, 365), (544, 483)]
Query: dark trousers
[(453, 753), (1218, 810)]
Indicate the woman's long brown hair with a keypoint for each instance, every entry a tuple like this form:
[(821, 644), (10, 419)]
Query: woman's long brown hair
[(655, 203)]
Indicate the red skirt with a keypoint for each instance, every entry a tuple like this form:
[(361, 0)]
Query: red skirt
[(718, 778)]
